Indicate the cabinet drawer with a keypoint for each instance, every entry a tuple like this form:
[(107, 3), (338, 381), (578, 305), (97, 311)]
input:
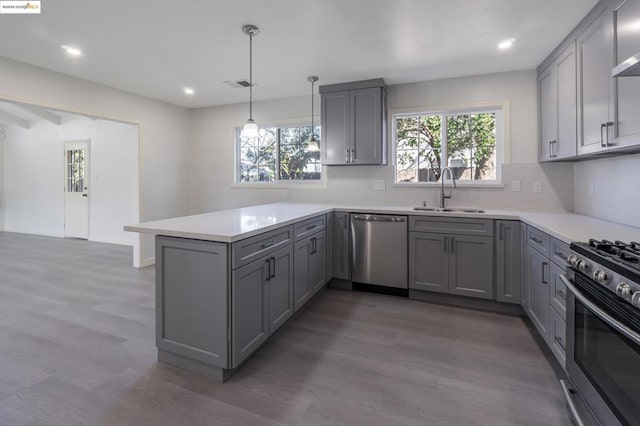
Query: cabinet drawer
[(310, 226), (559, 252), (538, 239), (250, 249), (557, 291), (480, 227), (558, 337)]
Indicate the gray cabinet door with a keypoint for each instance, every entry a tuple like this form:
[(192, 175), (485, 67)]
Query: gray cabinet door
[(508, 262), (250, 315), (524, 267), (567, 105), (548, 112), (317, 262), (192, 299), (428, 262), (538, 308), (558, 337), (280, 288), (366, 128), (301, 261), (340, 246), (471, 266), (335, 128), (558, 291), (627, 44), (595, 85)]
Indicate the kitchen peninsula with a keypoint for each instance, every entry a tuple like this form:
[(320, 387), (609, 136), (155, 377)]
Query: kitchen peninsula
[(227, 280)]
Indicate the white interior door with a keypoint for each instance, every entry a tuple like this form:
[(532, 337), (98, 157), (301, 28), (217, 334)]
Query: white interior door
[(76, 189)]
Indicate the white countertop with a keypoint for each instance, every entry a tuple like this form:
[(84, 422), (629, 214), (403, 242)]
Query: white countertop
[(237, 224)]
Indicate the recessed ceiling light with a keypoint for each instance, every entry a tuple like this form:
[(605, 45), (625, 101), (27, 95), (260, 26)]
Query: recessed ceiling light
[(506, 43), (188, 91), (71, 51)]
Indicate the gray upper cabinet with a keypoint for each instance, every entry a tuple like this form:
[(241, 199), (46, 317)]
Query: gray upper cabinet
[(596, 114), (547, 112), (354, 123), (508, 262), (340, 246), (627, 44)]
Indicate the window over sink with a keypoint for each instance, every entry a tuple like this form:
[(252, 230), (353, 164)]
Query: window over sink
[(469, 141), (278, 155)]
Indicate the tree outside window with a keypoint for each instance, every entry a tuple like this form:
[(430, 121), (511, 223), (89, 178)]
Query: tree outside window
[(465, 142), (278, 154)]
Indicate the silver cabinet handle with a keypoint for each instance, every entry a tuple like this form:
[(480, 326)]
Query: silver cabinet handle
[(561, 295), (544, 281), (444, 243), (603, 126), (353, 155), (571, 404), (561, 344), (536, 240), (600, 313), (346, 155), (267, 245), (551, 151)]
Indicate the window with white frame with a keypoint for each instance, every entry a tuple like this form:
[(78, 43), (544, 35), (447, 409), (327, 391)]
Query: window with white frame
[(470, 142), (278, 155)]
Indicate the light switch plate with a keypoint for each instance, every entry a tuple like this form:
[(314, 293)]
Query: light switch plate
[(515, 186), (380, 184), (537, 186)]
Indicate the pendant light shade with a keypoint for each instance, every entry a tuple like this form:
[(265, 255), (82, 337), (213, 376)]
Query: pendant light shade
[(250, 128), (312, 144)]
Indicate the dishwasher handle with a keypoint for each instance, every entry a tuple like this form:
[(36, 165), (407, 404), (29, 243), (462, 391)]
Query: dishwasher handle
[(372, 218)]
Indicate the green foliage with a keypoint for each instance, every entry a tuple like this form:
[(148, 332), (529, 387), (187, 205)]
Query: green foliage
[(470, 140)]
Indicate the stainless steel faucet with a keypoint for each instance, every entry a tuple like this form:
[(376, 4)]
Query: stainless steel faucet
[(444, 196)]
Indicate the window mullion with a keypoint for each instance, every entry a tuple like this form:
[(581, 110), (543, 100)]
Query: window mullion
[(443, 138), (277, 154)]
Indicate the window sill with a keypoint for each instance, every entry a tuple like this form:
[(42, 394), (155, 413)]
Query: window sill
[(464, 185), (289, 185)]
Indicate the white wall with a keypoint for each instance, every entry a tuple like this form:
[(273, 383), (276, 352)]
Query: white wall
[(34, 177), (164, 131), (213, 152), (609, 188), (2, 194)]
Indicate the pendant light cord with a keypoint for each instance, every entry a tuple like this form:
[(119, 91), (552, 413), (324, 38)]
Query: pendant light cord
[(251, 76), (313, 132)]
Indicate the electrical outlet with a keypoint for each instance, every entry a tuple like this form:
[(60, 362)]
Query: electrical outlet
[(515, 186), (537, 186), (380, 184)]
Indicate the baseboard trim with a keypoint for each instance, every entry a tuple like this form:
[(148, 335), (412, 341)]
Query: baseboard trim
[(467, 302), (148, 262)]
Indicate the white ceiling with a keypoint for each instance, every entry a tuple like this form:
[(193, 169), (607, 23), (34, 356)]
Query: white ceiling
[(156, 48)]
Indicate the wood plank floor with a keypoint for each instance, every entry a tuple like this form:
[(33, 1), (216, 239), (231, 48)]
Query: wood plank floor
[(77, 348)]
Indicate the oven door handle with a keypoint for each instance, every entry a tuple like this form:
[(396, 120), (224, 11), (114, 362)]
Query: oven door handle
[(626, 331)]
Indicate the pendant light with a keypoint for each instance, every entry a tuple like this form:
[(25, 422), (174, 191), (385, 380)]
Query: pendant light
[(312, 144), (250, 128)]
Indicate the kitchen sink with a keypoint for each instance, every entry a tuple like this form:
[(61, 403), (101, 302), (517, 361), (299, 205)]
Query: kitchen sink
[(448, 210)]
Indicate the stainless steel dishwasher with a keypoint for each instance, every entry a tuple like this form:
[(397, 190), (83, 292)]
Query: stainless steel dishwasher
[(379, 253)]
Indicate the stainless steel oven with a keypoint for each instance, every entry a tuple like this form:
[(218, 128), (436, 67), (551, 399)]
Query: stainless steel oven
[(603, 341)]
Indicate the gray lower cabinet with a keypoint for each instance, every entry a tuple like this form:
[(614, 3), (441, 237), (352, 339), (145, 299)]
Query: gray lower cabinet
[(261, 300), (191, 290), (558, 337), (508, 261), (309, 267), (340, 255), (538, 304), (456, 264)]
